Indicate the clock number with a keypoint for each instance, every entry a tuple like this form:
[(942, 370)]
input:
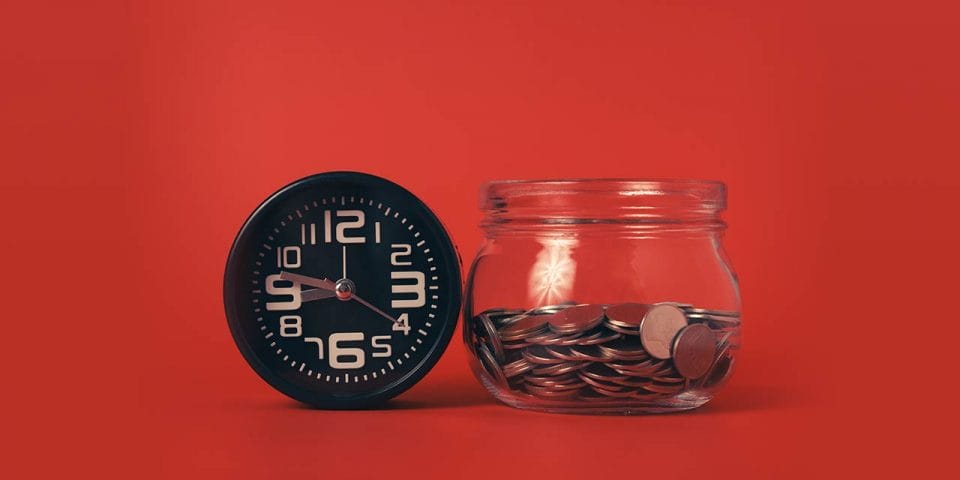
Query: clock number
[(292, 291), (337, 352), (405, 251), (416, 288), (385, 346), (319, 342), (343, 226), (402, 325), (308, 231), (286, 260), (291, 326)]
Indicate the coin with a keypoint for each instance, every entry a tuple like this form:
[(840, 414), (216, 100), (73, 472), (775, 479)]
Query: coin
[(576, 319), (713, 313), (622, 351), (599, 338), (491, 337), (516, 367), (549, 309), (659, 327), (490, 364), (550, 393), (626, 352), (540, 356), (720, 371), (627, 315), (525, 326), (694, 350), (560, 368), (502, 318)]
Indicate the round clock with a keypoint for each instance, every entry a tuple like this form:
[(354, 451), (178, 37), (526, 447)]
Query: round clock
[(342, 290)]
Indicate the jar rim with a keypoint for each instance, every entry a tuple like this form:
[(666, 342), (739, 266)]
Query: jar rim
[(658, 204), (710, 194)]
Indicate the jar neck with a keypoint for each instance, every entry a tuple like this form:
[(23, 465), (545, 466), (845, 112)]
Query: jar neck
[(620, 208)]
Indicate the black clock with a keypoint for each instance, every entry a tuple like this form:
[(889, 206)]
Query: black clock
[(342, 290)]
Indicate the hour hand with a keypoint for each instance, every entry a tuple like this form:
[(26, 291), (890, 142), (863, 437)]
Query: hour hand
[(322, 283), (316, 294)]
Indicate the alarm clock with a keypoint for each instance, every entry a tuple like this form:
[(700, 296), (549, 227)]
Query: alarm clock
[(342, 290)]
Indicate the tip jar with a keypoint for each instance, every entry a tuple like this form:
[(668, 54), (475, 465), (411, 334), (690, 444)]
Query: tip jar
[(602, 296)]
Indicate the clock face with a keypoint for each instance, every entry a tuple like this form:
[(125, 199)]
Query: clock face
[(342, 290)]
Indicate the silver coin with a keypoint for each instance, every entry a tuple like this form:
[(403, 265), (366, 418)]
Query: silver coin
[(659, 328), (576, 319), (694, 350)]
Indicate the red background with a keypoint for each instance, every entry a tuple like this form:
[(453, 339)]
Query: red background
[(137, 136)]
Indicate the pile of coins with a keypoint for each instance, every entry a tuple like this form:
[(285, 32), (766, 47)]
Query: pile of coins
[(602, 352)]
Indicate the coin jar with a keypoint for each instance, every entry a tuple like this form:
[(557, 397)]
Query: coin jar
[(602, 296)]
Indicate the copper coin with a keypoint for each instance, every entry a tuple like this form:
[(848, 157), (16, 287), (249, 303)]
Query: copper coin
[(525, 326), (540, 356), (598, 338), (490, 365), (517, 367), (491, 337), (548, 393), (627, 315), (694, 350), (659, 328), (577, 319)]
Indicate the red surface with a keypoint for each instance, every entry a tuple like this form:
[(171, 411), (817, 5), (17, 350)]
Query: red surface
[(135, 138)]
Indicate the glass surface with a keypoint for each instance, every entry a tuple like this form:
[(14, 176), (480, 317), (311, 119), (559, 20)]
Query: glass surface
[(602, 296)]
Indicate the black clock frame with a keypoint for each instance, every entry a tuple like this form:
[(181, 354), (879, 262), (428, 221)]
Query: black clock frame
[(232, 281)]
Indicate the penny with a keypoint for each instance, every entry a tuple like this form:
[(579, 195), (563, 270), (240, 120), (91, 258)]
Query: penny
[(516, 367), (490, 365), (491, 337), (540, 356), (627, 315), (720, 372), (659, 328), (576, 319), (694, 350), (525, 326)]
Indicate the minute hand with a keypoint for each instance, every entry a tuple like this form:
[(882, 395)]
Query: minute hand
[(375, 309)]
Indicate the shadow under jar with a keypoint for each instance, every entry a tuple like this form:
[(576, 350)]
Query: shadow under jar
[(602, 296)]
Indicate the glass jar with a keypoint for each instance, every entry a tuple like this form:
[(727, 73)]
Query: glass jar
[(602, 296)]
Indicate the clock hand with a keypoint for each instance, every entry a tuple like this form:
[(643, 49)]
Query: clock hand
[(316, 294), (305, 280), (371, 307)]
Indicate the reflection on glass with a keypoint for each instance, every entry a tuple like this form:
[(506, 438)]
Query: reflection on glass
[(551, 278)]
